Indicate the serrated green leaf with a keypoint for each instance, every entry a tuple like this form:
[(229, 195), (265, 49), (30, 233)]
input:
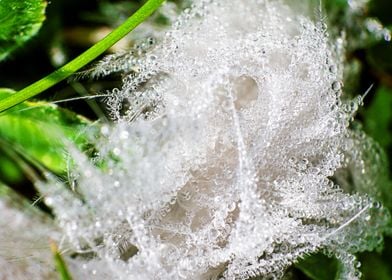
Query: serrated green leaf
[(19, 21), (319, 267), (39, 132)]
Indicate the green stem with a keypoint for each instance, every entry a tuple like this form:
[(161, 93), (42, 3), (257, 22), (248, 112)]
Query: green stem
[(60, 263), (89, 55)]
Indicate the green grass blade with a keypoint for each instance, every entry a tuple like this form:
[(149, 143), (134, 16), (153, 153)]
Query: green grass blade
[(59, 262), (64, 72)]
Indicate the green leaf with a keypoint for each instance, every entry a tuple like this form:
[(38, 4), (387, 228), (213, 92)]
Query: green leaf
[(38, 132), (19, 21), (319, 267)]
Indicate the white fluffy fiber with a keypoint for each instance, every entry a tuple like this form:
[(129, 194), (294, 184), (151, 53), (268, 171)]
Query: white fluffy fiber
[(221, 162), (24, 242)]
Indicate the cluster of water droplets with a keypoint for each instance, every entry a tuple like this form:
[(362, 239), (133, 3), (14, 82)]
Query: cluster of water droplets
[(221, 162)]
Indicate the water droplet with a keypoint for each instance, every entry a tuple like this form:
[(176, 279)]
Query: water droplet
[(333, 69), (105, 130), (231, 206), (49, 201), (376, 205), (116, 151), (186, 195), (353, 106), (151, 41), (124, 135), (387, 36), (336, 86)]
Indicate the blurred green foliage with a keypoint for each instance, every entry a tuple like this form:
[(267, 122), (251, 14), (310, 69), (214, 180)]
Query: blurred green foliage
[(20, 20), (319, 267), (378, 117)]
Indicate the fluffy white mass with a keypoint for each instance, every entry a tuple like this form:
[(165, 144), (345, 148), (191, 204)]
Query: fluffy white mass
[(24, 241), (230, 141)]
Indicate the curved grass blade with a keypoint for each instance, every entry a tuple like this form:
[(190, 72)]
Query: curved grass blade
[(64, 72)]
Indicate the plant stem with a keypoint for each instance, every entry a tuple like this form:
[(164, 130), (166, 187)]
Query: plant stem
[(89, 55), (59, 262)]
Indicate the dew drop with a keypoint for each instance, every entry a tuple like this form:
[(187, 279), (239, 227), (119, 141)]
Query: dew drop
[(333, 69), (336, 86)]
